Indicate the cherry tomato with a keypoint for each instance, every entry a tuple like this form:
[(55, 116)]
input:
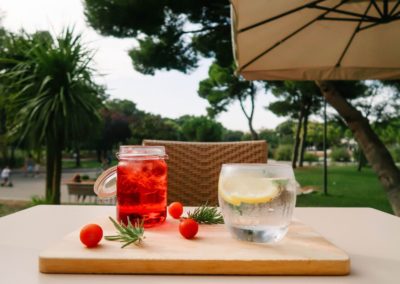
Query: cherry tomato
[(175, 210), (188, 228), (91, 235)]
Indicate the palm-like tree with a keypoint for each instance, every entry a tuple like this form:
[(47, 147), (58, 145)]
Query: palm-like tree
[(53, 97)]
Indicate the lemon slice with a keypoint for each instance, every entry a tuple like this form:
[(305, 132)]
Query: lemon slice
[(249, 189)]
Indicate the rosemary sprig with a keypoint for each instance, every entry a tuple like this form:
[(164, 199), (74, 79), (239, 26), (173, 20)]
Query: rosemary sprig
[(206, 215), (127, 234)]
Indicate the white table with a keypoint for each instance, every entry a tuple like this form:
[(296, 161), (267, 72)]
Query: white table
[(370, 237)]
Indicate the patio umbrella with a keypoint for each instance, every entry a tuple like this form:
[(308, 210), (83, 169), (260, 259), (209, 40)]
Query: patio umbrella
[(324, 40), (316, 40)]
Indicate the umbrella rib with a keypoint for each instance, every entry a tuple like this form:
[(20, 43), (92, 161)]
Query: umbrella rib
[(357, 29), (346, 13), (289, 36), (385, 7), (378, 23), (347, 19), (279, 16), (394, 8), (377, 8)]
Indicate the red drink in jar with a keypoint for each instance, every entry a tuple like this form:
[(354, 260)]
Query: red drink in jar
[(142, 190), (141, 186)]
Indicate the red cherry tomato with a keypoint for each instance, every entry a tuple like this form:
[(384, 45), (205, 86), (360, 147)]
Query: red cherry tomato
[(175, 210), (91, 235), (188, 228)]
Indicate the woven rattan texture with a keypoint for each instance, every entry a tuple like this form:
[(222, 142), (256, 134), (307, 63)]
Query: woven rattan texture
[(193, 167)]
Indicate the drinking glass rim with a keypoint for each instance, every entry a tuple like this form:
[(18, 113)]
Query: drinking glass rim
[(136, 151), (256, 165)]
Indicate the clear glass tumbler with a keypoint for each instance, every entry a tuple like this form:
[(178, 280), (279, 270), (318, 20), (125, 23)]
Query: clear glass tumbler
[(257, 200)]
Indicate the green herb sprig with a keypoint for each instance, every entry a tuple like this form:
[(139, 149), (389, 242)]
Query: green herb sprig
[(127, 234), (206, 215)]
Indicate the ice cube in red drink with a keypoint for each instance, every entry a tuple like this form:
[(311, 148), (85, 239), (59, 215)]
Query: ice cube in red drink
[(142, 191)]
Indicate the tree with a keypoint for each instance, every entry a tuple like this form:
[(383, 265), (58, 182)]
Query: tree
[(171, 34), (54, 97), (221, 89), (201, 129), (375, 151), (233, 135), (298, 100), (151, 126), (285, 132)]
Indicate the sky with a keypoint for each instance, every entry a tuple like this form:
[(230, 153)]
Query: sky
[(169, 94)]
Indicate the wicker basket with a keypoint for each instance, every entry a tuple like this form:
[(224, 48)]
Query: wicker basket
[(193, 167)]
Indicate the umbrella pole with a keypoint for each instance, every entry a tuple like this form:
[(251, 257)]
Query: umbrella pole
[(325, 154)]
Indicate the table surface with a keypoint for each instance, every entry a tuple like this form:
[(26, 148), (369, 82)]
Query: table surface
[(370, 238)]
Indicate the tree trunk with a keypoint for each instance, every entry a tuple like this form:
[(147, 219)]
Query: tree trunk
[(361, 159), (98, 153), (53, 172), (254, 134), (297, 139), (49, 171), (304, 138), (375, 151)]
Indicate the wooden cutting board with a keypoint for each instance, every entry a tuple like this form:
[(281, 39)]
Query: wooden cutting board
[(302, 252)]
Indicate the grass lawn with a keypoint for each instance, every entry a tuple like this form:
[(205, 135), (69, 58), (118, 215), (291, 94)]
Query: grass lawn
[(11, 206), (85, 164), (346, 188)]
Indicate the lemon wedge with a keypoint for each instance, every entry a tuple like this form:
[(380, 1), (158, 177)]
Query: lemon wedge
[(249, 189)]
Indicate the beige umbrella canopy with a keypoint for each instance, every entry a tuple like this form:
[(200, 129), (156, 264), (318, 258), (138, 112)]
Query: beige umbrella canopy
[(316, 40), (325, 40)]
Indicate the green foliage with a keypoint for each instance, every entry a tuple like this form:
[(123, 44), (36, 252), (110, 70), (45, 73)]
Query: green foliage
[(285, 132), (222, 88), (340, 154), (150, 126), (38, 200), (310, 157), (125, 107), (201, 129), (53, 96), (284, 153), (85, 177), (315, 134), (271, 136), (346, 187), (395, 152), (295, 97), (232, 135), (168, 51), (54, 91), (11, 206), (171, 34)]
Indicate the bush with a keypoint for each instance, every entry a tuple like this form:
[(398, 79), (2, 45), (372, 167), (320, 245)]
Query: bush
[(85, 177), (310, 157), (284, 153), (340, 155)]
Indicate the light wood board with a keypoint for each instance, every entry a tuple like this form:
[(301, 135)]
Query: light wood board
[(302, 252)]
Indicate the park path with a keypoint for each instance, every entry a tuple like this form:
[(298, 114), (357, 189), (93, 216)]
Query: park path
[(24, 187)]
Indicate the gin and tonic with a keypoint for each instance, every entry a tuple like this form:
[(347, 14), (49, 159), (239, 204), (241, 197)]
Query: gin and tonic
[(257, 200)]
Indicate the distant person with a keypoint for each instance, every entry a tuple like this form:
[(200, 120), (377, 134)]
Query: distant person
[(29, 165), (5, 176)]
